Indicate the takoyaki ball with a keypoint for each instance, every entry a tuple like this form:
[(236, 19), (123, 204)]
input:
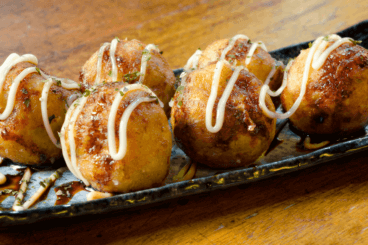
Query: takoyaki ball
[(336, 98), (158, 75), (147, 159), (261, 62), (23, 136), (246, 132)]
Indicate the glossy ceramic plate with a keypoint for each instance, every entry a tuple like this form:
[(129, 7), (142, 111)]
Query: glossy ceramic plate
[(285, 156)]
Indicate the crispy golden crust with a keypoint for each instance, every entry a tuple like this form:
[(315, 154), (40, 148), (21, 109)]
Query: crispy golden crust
[(260, 65), (146, 163), (236, 144), (159, 77), (336, 98), (23, 137)]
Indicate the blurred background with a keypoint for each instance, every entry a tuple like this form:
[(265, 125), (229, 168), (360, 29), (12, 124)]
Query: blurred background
[(64, 34)]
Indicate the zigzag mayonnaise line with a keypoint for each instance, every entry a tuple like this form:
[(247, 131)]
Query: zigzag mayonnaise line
[(124, 121), (10, 62), (145, 57), (114, 70), (72, 116), (316, 58), (192, 65)]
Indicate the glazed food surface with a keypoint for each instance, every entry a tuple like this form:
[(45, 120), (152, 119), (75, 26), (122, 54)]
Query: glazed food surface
[(158, 76), (246, 132), (23, 137), (335, 99), (147, 158)]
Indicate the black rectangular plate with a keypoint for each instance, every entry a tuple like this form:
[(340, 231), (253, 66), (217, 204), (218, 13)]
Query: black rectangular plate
[(283, 159)]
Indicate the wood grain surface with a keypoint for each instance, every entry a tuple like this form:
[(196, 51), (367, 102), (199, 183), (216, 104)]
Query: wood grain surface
[(326, 204)]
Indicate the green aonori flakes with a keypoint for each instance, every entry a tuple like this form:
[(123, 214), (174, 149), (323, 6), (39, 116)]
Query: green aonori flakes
[(86, 93), (355, 42), (180, 88), (132, 76), (26, 102), (147, 53)]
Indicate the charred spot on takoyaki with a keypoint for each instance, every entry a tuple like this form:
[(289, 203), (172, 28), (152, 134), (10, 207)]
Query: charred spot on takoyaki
[(246, 132), (132, 62), (112, 159)]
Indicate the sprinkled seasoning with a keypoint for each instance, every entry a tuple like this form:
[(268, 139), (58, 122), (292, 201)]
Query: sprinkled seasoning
[(26, 102), (355, 42)]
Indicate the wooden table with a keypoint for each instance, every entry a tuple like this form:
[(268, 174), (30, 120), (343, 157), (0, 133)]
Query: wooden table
[(326, 204)]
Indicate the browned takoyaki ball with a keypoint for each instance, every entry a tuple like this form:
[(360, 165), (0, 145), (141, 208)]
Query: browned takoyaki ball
[(246, 133), (336, 98), (260, 64), (23, 137), (147, 160), (159, 77)]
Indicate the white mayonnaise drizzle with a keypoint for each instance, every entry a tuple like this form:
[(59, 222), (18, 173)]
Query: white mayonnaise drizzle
[(124, 120), (70, 123), (99, 62), (316, 58), (71, 118), (253, 49), (225, 96), (192, 64), (10, 62), (146, 55), (284, 80), (13, 90), (114, 70), (231, 44), (45, 93)]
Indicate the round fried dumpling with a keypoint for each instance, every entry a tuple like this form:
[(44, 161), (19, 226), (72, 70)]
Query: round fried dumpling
[(131, 61), (23, 131), (335, 99), (260, 63), (246, 132), (94, 126)]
